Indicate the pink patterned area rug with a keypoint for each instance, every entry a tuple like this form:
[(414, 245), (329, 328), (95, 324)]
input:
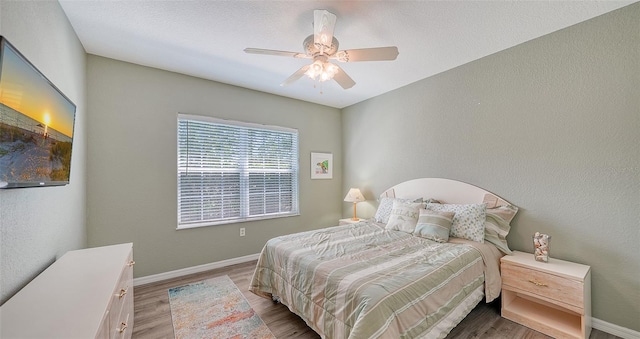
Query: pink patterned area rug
[(214, 308)]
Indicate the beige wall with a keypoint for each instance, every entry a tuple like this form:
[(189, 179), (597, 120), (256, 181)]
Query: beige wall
[(552, 125), (38, 225), (132, 189)]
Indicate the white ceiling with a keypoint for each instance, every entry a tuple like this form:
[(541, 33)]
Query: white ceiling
[(206, 38)]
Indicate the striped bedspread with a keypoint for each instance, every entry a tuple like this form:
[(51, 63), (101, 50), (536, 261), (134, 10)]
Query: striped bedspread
[(362, 281)]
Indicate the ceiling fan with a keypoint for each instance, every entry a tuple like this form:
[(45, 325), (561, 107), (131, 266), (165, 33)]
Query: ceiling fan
[(321, 47)]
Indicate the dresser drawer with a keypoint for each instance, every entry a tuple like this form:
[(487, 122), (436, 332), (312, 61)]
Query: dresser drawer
[(122, 329), (122, 302), (543, 284), (119, 313)]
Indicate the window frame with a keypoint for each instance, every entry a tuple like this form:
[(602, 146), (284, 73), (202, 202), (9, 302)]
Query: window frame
[(244, 171)]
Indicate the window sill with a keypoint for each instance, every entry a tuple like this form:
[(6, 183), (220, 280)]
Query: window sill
[(233, 221)]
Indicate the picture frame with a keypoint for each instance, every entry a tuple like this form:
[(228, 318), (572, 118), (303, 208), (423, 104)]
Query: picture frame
[(321, 165)]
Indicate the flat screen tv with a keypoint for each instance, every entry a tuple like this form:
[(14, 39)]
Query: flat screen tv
[(36, 125)]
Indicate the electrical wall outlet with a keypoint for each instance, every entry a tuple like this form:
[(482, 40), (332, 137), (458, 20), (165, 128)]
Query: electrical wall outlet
[(242, 232)]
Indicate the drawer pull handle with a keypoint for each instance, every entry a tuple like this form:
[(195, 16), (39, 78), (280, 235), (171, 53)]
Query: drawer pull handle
[(123, 292), (538, 283), (123, 327), (131, 263)]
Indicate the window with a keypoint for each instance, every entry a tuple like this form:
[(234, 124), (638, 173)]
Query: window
[(233, 171)]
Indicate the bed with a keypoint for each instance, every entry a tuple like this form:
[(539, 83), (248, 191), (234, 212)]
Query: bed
[(371, 280)]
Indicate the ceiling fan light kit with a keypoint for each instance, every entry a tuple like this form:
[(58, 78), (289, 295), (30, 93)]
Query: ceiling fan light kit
[(321, 47), (321, 70)]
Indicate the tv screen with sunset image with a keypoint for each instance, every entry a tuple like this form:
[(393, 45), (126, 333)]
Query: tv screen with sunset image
[(36, 125)]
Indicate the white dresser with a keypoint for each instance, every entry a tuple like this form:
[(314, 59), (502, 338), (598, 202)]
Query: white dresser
[(84, 294)]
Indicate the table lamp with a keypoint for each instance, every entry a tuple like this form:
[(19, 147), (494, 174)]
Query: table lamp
[(354, 196)]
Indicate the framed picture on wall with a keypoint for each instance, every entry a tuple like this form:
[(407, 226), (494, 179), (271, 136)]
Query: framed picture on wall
[(321, 165)]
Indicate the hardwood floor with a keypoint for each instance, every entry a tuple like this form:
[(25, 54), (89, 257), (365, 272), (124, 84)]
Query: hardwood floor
[(152, 316)]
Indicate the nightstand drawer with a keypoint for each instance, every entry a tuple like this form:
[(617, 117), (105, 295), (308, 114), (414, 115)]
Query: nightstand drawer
[(543, 284)]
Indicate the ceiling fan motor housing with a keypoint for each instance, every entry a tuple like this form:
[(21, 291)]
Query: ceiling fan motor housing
[(310, 48)]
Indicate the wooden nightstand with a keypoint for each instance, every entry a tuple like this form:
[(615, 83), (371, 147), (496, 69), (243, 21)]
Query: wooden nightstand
[(349, 221), (553, 298)]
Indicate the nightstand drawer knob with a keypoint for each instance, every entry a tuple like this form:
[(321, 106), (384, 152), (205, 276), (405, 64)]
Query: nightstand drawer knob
[(538, 283)]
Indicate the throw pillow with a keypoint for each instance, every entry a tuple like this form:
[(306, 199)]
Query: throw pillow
[(404, 216), (468, 222), (434, 225), (384, 208)]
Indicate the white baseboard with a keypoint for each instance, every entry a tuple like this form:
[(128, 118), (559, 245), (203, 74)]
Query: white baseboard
[(598, 324), (616, 330), (194, 269)]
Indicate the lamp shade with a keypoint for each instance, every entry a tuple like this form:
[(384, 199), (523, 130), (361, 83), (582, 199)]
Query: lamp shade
[(354, 195)]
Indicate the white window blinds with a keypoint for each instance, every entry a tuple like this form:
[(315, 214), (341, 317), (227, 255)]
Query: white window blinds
[(232, 171)]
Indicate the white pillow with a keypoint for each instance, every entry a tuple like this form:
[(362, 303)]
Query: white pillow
[(404, 216), (384, 208), (468, 222)]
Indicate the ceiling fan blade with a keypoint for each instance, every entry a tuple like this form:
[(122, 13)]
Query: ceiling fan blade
[(323, 24), (295, 76), (277, 53), (343, 79), (367, 54)]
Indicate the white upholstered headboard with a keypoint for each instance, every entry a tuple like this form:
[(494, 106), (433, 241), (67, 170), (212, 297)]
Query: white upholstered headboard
[(444, 190)]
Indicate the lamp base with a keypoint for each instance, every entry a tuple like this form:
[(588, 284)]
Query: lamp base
[(354, 212)]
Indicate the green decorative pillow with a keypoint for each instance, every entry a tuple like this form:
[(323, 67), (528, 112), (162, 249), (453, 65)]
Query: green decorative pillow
[(434, 225), (497, 226), (468, 222), (404, 216)]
